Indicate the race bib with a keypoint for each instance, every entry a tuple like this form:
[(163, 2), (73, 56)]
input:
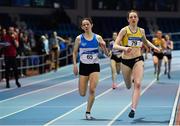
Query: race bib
[(90, 57), (134, 42), (168, 51)]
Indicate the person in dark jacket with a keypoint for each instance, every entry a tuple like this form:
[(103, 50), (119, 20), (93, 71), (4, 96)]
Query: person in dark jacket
[(10, 56)]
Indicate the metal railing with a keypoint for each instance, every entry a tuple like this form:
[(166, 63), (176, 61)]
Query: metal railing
[(38, 63)]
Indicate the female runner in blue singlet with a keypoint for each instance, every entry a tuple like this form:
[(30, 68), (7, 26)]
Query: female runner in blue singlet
[(88, 43)]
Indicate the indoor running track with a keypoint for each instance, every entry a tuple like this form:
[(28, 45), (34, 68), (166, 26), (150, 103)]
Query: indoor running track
[(53, 99)]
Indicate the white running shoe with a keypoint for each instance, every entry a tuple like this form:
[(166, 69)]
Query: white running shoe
[(89, 117)]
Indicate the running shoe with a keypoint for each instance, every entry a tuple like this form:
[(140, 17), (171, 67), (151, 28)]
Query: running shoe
[(169, 76), (157, 78), (131, 114), (18, 84), (165, 72), (154, 72), (89, 117), (114, 86)]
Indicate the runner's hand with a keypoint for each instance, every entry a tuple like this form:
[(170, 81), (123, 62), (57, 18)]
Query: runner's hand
[(157, 49), (75, 70), (128, 49)]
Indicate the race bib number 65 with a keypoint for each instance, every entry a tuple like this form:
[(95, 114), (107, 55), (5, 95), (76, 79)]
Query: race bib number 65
[(89, 56)]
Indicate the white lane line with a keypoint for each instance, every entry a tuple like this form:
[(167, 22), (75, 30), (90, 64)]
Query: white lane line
[(69, 112), (171, 122), (46, 100), (121, 112), (31, 92), (43, 80), (37, 104), (39, 81), (43, 76), (52, 121)]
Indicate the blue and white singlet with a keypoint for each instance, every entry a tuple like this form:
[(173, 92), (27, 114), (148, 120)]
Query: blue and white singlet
[(88, 50)]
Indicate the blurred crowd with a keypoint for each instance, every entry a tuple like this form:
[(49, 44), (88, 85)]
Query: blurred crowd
[(44, 50)]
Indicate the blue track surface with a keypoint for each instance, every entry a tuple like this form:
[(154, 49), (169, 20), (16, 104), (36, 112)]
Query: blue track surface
[(53, 99)]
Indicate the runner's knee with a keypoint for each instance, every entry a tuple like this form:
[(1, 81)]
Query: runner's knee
[(82, 94), (91, 91), (137, 84)]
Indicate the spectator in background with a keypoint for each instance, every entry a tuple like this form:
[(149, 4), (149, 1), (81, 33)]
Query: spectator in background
[(27, 47), (10, 56), (24, 49), (47, 52), (55, 49), (20, 53), (20, 49), (31, 39), (1, 62), (3, 33), (45, 47), (44, 53), (71, 43)]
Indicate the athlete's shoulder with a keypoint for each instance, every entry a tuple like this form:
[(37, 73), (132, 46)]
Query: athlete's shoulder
[(142, 30), (78, 38), (123, 31), (154, 39), (97, 35), (124, 28)]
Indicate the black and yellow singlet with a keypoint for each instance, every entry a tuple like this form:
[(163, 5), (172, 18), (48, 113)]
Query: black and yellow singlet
[(158, 42), (132, 39)]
